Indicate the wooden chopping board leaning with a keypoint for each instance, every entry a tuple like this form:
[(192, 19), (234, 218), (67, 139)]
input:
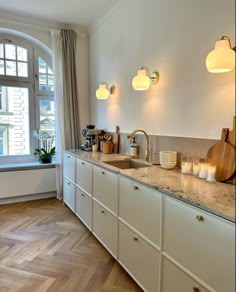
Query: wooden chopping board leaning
[(222, 154)]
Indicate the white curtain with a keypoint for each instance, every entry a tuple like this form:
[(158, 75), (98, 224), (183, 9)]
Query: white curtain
[(58, 85)]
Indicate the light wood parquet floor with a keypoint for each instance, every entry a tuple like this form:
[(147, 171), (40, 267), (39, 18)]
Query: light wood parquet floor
[(45, 247)]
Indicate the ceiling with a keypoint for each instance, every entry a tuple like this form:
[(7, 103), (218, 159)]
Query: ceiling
[(71, 12)]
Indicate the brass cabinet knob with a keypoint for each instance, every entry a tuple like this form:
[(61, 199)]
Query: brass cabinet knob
[(195, 289), (135, 238), (135, 187), (199, 218)]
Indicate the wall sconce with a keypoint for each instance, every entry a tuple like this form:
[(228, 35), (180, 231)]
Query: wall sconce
[(143, 79), (222, 58), (103, 92)]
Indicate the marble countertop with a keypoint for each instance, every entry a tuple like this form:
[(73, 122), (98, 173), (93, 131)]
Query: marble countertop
[(217, 198)]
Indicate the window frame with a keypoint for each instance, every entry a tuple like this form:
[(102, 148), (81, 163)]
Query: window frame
[(35, 95)]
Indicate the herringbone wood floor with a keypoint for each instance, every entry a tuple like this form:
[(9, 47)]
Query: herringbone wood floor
[(44, 247)]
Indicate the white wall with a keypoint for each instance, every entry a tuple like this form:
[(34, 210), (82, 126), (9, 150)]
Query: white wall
[(174, 38)]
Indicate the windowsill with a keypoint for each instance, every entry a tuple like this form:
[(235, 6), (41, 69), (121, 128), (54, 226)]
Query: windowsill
[(25, 166)]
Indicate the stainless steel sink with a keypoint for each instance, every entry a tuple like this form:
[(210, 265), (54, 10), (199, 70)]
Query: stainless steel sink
[(126, 164)]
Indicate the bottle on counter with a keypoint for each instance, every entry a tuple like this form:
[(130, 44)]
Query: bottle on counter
[(134, 148)]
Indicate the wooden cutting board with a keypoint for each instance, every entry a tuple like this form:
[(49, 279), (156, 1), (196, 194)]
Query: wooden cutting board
[(222, 154), (116, 140)]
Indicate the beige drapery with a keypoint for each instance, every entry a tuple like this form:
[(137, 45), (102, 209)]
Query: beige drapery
[(66, 99), (71, 107)]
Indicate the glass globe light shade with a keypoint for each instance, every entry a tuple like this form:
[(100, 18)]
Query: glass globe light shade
[(102, 92), (222, 58), (141, 81)]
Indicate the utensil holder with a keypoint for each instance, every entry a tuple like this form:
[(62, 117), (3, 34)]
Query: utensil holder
[(107, 147)]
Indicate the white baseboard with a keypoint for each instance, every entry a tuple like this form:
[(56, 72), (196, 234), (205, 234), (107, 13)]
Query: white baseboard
[(27, 198)]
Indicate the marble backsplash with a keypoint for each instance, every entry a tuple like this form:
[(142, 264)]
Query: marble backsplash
[(184, 146)]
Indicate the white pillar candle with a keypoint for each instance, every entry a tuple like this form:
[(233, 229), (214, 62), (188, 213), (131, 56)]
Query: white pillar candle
[(196, 168), (211, 172), (203, 170)]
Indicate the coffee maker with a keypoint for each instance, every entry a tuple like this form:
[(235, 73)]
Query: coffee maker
[(91, 137)]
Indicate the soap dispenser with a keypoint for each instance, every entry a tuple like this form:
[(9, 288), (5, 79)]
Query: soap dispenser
[(134, 148)]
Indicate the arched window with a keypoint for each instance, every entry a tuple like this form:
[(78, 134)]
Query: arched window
[(26, 97)]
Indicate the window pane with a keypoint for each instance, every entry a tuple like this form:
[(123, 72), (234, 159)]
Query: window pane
[(1, 51), (50, 71), (1, 67), (42, 66), (42, 81), (21, 54), (47, 116), (10, 51), (11, 68), (22, 69), (50, 83), (15, 121)]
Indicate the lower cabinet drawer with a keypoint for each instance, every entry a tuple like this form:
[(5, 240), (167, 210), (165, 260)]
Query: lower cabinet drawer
[(174, 279), (139, 258), (203, 243), (83, 207), (105, 227), (69, 194)]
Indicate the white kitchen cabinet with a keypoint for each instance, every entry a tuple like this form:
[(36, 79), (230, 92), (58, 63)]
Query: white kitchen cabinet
[(105, 227), (69, 194), (83, 207), (139, 258), (140, 207), (105, 187), (69, 166), (175, 280), (84, 175), (203, 243)]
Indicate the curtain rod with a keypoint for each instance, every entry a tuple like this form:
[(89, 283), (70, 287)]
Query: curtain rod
[(48, 28)]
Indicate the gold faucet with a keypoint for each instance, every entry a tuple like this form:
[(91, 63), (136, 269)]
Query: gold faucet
[(130, 136)]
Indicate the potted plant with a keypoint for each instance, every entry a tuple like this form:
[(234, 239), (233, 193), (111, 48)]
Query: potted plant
[(46, 150)]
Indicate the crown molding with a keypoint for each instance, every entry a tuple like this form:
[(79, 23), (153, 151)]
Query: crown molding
[(39, 23), (107, 15)]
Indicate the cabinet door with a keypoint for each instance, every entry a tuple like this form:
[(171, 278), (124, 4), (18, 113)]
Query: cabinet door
[(105, 187), (84, 175), (174, 279), (83, 207), (69, 166), (105, 227), (69, 194), (140, 206), (203, 243), (139, 258)]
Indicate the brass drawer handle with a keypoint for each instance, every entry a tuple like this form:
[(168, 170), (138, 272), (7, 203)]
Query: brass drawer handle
[(199, 218), (135, 187), (195, 289), (135, 238), (103, 212)]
